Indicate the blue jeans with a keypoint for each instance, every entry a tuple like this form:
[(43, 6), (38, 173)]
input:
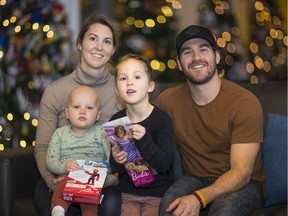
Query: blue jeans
[(238, 203)]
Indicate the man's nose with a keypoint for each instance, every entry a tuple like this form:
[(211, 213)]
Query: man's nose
[(196, 55)]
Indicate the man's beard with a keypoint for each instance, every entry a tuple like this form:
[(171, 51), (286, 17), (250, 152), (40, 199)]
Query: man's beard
[(204, 80)]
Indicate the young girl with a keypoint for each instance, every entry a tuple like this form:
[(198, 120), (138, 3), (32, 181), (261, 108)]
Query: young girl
[(152, 134)]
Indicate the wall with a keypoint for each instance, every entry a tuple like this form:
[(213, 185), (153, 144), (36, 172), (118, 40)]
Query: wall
[(189, 14), (73, 10)]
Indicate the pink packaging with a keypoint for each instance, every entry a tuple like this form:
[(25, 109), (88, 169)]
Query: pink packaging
[(119, 133)]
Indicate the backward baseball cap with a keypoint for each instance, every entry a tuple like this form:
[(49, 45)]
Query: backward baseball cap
[(194, 31)]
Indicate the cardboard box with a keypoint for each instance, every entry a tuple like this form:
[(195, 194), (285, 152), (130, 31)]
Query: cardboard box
[(85, 185)]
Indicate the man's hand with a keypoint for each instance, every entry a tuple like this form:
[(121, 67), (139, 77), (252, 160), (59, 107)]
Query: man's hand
[(185, 206)]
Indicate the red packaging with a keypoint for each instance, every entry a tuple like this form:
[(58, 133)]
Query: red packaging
[(85, 185)]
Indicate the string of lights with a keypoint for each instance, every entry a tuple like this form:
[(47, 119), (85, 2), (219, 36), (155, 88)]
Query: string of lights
[(35, 48)]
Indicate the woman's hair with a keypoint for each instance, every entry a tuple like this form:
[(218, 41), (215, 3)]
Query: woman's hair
[(101, 19), (141, 59)]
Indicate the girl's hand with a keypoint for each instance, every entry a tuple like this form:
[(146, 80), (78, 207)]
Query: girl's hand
[(119, 156), (138, 131), (72, 165)]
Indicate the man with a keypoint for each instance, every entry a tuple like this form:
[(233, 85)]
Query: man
[(218, 127)]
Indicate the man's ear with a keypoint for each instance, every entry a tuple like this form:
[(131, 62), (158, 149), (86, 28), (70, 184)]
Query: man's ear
[(218, 57), (178, 64)]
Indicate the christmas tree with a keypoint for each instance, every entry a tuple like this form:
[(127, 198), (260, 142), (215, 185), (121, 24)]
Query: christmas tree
[(148, 28), (252, 36), (34, 50)]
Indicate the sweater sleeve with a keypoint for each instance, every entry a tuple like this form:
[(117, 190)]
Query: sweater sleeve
[(106, 144), (53, 159), (156, 146)]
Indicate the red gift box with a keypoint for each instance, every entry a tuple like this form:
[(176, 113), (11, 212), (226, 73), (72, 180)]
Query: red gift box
[(85, 185)]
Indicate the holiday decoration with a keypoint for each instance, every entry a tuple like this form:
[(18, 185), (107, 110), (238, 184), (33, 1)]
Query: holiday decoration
[(148, 28), (252, 36), (35, 47), (34, 50)]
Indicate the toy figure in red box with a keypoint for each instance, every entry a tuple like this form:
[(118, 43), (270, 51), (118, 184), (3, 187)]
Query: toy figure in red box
[(94, 176)]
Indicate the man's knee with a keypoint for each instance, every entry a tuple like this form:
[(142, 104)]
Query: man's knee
[(234, 204), (162, 208), (171, 194), (182, 187), (166, 200)]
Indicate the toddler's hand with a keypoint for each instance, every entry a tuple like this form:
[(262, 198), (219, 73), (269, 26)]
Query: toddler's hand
[(72, 165)]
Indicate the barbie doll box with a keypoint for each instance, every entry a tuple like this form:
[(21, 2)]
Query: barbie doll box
[(85, 185), (119, 132)]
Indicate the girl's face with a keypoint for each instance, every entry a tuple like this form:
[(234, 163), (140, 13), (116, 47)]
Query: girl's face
[(97, 47), (132, 82)]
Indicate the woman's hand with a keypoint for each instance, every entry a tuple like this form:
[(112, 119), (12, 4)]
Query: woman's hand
[(119, 156)]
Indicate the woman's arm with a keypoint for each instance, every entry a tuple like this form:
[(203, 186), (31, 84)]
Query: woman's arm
[(47, 124)]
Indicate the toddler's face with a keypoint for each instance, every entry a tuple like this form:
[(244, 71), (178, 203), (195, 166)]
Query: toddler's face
[(83, 110)]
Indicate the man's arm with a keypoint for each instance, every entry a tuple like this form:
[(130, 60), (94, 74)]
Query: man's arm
[(242, 161)]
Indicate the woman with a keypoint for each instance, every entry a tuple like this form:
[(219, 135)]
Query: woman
[(97, 42)]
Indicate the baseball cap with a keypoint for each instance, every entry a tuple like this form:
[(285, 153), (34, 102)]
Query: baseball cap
[(194, 31)]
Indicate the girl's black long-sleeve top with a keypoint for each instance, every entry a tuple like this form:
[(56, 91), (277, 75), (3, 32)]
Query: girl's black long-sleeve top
[(156, 147)]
